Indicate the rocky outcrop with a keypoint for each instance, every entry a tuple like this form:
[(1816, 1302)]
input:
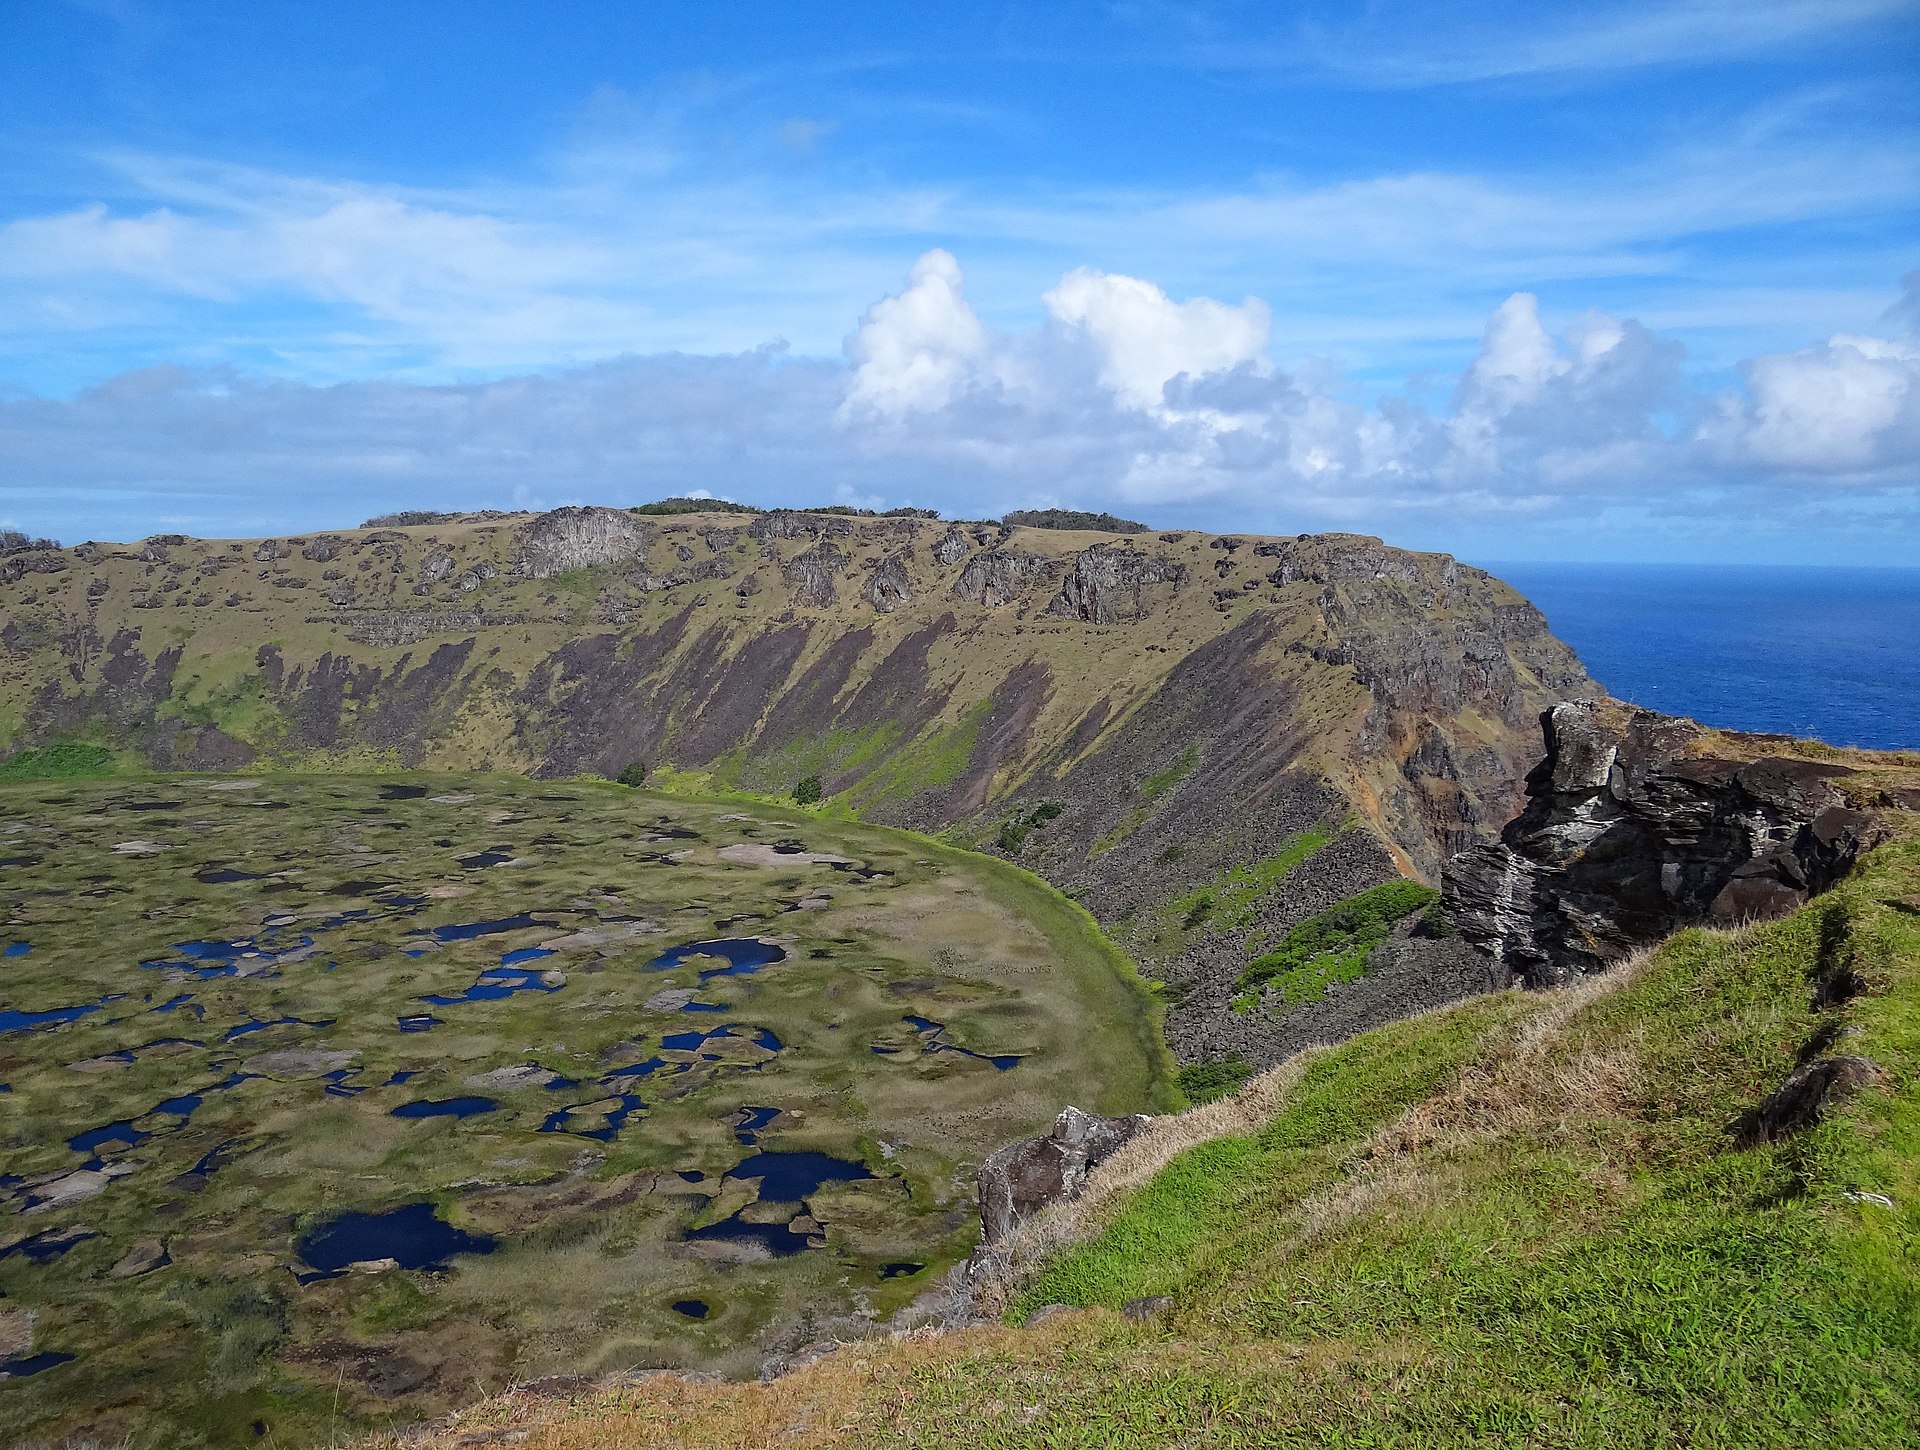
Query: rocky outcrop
[(1001, 576), (1809, 1092), (1109, 584), (787, 524), (322, 549), (811, 576), (1637, 824), (888, 587), (577, 538), (1024, 1177), (951, 547)]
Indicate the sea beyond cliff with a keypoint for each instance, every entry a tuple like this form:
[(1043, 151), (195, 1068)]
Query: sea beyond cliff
[(1827, 653)]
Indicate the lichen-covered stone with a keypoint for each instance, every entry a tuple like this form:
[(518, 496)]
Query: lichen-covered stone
[(888, 587), (1001, 576), (1109, 583), (811, 576), (1022, 1178), (578, 538)]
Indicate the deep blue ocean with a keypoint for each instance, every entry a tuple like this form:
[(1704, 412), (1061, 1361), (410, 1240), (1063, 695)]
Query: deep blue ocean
[(1829, 653)]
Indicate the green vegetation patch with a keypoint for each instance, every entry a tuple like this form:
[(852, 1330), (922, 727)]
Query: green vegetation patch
[(1155, 786), (70, 758), (928, 763), (1015, 829), (1202, 1082), (1334, 945), (1228, 902)]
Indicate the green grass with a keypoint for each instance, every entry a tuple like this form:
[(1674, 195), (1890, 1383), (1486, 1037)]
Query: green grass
[(1155, 786), (1151, 789), (1522, 1221), (1333, 946), (1607, 1270), (924, 764), (1202, 1082), (70, 759), (1227, 903)]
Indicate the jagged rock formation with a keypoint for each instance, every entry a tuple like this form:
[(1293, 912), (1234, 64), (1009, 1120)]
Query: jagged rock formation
[(888, 587), (950, 547), (811, 576), (1026, 1176), (1109, 584), (578, 538), (1001, 576), (1637, 824)]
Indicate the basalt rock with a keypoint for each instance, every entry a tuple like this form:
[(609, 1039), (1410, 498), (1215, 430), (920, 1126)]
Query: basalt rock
[(578, 538), (888, 587), (1638, 824), (1001, 576), (322, 549), (787, 524), (1109, 584), (1024, 1177), (811, 576), (951, 547), (1807, 1095)]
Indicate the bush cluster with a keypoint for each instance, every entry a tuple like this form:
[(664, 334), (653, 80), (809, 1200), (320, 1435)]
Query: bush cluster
[(1202, 1082), (1073, 519), (1335, 944), (1015, 829)]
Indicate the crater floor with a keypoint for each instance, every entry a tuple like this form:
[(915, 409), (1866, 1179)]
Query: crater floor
[(338, 1101)]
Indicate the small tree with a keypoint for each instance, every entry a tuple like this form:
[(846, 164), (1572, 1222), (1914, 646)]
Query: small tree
[(808, 791), (634, 774)]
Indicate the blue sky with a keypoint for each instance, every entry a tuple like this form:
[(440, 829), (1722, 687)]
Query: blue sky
[(1619, 280)]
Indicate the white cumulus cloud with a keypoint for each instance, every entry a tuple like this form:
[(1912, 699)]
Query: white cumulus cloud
[(1145, 339)]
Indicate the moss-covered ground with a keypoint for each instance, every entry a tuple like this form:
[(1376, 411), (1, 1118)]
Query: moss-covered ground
[(1527, 1220), (252, 958)]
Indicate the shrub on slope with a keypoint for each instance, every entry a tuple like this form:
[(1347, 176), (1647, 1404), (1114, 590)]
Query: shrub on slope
[(1523, 1220)]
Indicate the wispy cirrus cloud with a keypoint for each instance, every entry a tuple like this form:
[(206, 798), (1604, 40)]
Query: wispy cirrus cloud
[(1399, 45), (595, 260)]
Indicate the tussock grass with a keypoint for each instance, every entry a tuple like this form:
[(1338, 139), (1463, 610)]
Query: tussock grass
[(1525, 1220)]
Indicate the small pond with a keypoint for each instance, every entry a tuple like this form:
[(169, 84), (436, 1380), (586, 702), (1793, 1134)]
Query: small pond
[(414, 1237)]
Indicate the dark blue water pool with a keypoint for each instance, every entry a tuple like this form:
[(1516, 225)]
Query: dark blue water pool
[(498, 982), (791, 1177), (12, 1021), (933, 1038), (467, 1107), (415, 1237), (31, 1364), (467, 931), (573, 1120), (742, 955)]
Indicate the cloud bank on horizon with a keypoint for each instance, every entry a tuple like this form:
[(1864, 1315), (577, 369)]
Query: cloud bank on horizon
[(1447, 315)]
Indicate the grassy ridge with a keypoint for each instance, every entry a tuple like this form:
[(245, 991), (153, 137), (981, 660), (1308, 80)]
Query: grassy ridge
[(1526, 1220)]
